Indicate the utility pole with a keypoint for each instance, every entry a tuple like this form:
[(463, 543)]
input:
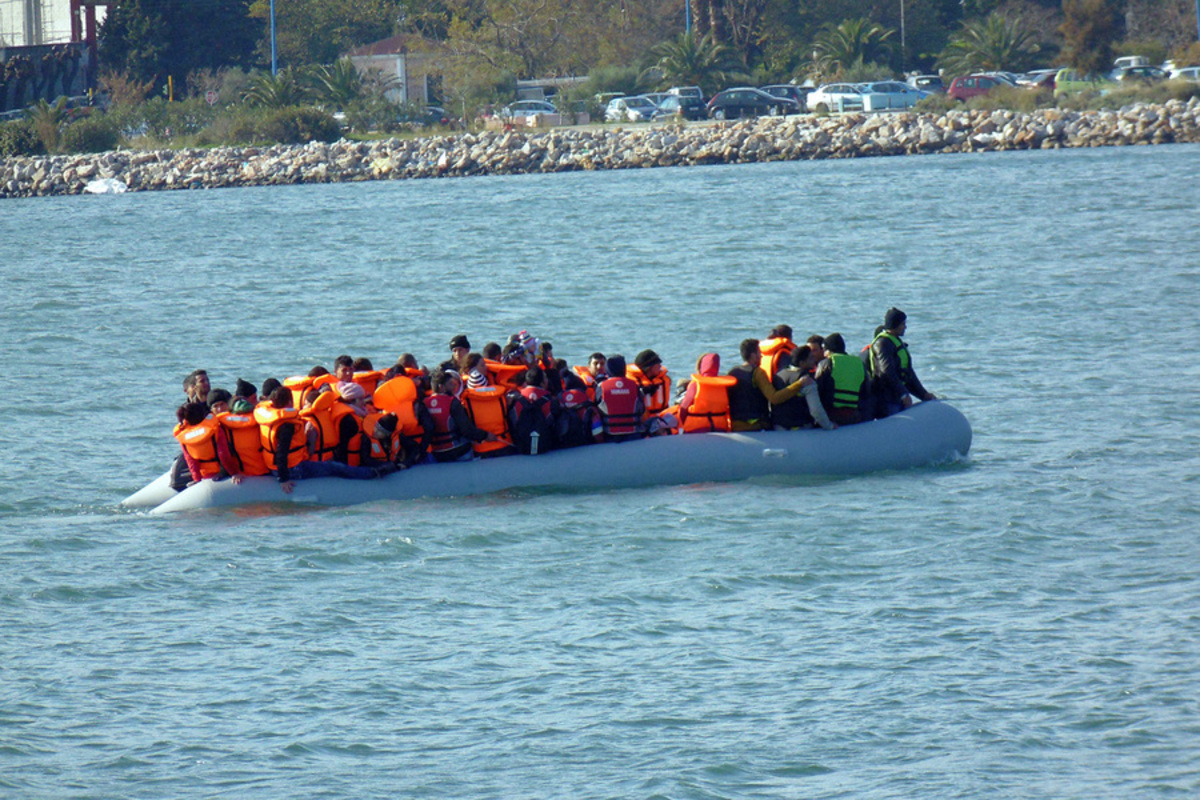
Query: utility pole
[(274, 62)]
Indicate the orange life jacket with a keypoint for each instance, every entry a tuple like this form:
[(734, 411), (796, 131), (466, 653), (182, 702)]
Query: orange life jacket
[(353, 447), (368, 380), (774, 351), (320, 414), (589, 381), (200, 441), (379, 451), (709, 410), (656, 391), (299, 384), (397, 396), (501, 374), (269, 420), (489, 411), (245, 443)]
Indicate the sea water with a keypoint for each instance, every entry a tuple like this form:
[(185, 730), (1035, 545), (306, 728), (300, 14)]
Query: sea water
[(1024, 624)]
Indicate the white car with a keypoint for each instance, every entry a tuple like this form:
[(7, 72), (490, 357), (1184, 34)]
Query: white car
[(528, 108), (631, 109), (1186, 74), (882, 95), (836, 97)]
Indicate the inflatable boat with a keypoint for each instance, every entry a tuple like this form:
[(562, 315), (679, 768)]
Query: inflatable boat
[(927, 433)]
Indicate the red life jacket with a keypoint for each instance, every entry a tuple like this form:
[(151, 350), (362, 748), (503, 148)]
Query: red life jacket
[(446, 435), (618, 401)]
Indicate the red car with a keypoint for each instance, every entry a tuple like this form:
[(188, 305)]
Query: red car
[(968, 86)]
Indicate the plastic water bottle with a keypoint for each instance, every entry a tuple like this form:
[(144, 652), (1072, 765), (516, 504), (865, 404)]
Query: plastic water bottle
[(533, 443)]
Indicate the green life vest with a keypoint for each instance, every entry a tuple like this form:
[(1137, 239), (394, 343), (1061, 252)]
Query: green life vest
[(848, 376), (901, 352)]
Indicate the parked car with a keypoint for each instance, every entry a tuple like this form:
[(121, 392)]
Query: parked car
[(746, 101), (1186, 74), (882, 95), (836, 97), (656, 97), (687, 91), (1141, 74), (630, 109), (1071, 81), (528, 108), (1038, 79), (927, 83), (964, 87), (685, 106), (798, 93)]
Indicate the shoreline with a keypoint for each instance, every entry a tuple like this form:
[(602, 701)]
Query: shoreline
[(527, 151)]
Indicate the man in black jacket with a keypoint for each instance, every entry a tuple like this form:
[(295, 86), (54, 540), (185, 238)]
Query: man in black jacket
[(893, 380)]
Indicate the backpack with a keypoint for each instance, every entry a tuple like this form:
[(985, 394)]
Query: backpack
[(528, 417)]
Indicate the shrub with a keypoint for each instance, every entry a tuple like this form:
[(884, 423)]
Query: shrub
[(18, 138), (299, 125), (937, 103), (236, 125), (92, 134), (1011, 98)]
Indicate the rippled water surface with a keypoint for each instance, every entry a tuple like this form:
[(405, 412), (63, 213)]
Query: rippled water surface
[(1025, 624)]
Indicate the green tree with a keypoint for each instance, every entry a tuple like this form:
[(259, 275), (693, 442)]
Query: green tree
[(994, 43), (1089, 30), (287, 88), (838, 47), (688, 61), (322, 31), (47, 121), (153, 39), (338, 84)]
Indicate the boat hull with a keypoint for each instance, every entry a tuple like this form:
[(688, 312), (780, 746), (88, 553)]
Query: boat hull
[(927, 433)]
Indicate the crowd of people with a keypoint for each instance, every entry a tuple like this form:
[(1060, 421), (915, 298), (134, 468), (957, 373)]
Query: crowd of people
[(360, 423)]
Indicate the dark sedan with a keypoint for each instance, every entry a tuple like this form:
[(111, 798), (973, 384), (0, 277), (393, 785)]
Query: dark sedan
[(684, 106), (746, 101), (797, 93)]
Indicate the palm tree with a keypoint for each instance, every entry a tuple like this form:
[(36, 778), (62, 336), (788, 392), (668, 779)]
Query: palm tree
[(688, 61), (277, 91), (839, 47), (339, 84), (995, 43), (47, 121)]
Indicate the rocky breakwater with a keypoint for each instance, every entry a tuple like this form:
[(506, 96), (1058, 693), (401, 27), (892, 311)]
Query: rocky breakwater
[(569, 149)]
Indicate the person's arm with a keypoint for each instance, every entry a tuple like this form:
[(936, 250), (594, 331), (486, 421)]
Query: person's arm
[(283, 443), (774, 396), (229, 464), (689, 397), (466, 425), (192, 464), (913, 384)]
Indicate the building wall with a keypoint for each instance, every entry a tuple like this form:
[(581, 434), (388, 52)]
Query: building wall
[(410, 72), (31, 22)]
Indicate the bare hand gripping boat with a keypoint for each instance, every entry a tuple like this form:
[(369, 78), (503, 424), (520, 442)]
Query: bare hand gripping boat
[(927, 433)]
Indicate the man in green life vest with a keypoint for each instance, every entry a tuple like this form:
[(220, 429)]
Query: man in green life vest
[(894, 383), (842, 383)]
